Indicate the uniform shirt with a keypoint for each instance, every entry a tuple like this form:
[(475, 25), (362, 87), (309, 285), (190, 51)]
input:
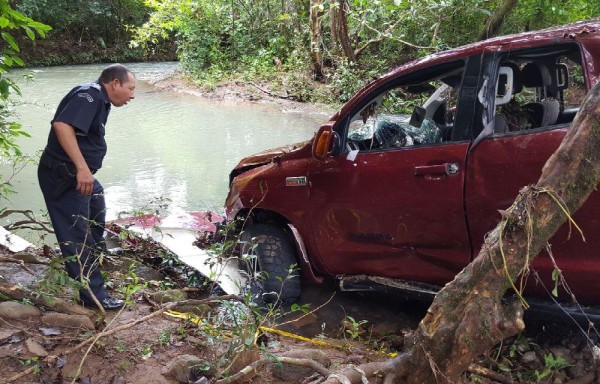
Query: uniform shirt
[(85, 108)]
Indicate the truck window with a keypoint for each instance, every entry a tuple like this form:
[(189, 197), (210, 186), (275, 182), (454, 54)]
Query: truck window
[(420, 112), (548, 85)]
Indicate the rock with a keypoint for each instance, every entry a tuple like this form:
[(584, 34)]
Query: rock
[(27, 257), (35, 348), (11, 310), (588, 378), (5, 351), (297, 373), (198, 310), (181, 366), (63, 320), (171, 295), (529, 357), (7, 335), (576, 370), (564, 353)]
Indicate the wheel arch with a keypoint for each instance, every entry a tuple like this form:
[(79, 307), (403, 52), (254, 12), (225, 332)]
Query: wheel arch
[(263, 216)]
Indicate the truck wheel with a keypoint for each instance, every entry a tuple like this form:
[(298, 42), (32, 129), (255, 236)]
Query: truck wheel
[(269, 258)]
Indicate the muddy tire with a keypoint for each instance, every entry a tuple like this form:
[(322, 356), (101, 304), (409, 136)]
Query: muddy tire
[(271, 257)]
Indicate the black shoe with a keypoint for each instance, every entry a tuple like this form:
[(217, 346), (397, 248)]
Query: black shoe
[(111, 303)]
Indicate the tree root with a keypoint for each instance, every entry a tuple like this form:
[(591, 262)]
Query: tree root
[(241, 375)]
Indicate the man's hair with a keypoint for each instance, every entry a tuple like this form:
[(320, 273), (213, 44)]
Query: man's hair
[(115, 71)]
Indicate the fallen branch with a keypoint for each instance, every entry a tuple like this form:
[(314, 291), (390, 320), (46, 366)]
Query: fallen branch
[(25, 224)]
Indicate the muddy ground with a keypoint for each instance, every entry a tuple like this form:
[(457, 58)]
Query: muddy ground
[(342, 328), (144, 353)]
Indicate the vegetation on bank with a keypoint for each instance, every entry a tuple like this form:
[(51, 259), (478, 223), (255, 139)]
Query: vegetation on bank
[(309, 50)]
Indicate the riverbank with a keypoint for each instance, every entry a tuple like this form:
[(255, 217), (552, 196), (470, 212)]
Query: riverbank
[(242, 91)]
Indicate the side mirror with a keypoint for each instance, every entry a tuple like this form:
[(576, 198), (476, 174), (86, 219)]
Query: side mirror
[(323, 141)]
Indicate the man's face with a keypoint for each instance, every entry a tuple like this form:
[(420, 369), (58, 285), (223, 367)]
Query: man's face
[(119, 93)]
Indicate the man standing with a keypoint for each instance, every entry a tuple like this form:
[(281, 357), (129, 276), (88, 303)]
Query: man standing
[(74, 198)]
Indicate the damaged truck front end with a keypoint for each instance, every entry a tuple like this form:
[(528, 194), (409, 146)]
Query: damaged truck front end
[(268, 231)]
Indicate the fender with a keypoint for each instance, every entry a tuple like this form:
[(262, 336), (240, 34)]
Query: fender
[(303, 261)]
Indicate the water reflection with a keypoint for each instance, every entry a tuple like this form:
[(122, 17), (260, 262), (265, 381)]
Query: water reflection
[(162, 144)]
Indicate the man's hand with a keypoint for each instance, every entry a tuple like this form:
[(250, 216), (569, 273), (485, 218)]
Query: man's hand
[(85, 181)]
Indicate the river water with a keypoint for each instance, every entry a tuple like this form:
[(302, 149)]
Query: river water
[(163, 145)]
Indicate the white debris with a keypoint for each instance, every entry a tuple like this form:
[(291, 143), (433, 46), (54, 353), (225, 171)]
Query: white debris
[(13, 242)]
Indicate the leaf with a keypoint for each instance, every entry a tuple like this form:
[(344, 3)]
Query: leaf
[(4, 88), (29, 33), (3, 22), (11, 41)]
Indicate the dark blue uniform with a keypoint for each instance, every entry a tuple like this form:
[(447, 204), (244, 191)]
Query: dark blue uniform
[(78, 220)]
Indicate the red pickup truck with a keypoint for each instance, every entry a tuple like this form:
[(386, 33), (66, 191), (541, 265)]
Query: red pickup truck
[(401, 185)]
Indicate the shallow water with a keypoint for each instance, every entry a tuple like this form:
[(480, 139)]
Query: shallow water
[(162, 145)]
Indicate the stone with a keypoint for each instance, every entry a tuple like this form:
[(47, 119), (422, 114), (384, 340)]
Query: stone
[(564, 353), (11, 310), (63, 320), (576, 370), (529, 357), (26, 257), (199, 310), (6, 335), (181, 366), (5, 351), (35, 348), (170, 295), (588, 378)]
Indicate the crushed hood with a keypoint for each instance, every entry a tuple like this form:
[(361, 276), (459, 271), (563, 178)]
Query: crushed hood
[(270, 155)]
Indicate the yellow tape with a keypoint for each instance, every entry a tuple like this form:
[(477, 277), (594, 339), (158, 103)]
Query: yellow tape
[(298, 337), (196, 320), (184, 316)]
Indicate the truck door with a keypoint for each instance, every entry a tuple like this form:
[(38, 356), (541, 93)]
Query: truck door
[(529, 125), (390, 203)]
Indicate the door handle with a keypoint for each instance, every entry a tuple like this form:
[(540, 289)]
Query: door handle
[(446, 169)]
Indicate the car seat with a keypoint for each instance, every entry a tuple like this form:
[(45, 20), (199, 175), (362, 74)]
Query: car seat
[(545, 111)]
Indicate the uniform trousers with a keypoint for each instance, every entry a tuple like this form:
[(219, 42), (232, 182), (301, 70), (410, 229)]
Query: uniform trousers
[(78, 222)]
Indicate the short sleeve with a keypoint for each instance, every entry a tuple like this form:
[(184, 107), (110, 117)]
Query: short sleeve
[(80, 110)]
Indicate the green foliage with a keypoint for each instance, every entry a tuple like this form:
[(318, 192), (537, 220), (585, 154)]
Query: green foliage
[(224, 39), (354, 327), (551, 366), (35, 362), (12, 24), (56, 281)]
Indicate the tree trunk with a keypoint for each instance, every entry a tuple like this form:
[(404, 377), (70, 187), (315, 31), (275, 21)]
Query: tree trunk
[(342, 31), (467, 318), (316, 38), (492, 27), (333, 26)]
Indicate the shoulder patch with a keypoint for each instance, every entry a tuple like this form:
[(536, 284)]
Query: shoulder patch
[(87, 96)]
